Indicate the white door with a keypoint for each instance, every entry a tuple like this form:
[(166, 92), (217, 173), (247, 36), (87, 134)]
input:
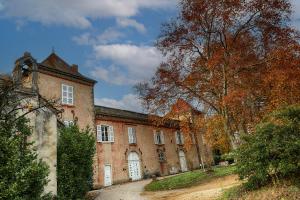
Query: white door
[(134, 168), (107, 175), (182, 161)]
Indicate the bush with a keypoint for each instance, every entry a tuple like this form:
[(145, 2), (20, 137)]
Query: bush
[(272, 153), (229, 157), (22, 175), (75, 162)]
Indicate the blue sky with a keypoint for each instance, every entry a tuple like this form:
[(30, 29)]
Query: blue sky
[(110, 40)]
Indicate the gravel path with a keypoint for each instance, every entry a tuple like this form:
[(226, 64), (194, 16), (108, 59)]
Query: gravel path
[(128, 191), (135, 191)]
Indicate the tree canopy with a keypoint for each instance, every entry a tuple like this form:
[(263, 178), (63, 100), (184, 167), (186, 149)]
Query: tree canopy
[(236, 59)]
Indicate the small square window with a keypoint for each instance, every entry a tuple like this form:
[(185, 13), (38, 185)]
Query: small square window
[(161, 156)]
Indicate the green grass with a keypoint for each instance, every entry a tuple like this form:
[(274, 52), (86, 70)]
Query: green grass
[(188, 179), (231, 193)]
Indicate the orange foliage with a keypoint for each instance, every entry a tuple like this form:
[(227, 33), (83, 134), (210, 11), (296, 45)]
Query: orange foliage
[(238, 59)]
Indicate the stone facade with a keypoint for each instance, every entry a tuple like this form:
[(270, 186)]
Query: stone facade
[(117, 158), (116, 153)]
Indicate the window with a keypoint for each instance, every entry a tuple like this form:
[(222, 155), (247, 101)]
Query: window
[(179, 137), (67, 94), (159, 137), (131, 135), (105, 133), (68, 123), (161, 156)]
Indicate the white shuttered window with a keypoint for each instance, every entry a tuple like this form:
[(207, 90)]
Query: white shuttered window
[(67, 96), (179, 137), (131, 135), (105, 133), (159, 137)]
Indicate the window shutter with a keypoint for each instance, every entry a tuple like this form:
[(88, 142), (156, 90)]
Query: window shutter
[(71, 95), (181, 137), (64, 94), (129, 135), (162, 137), (155, 136), (99, 133), (133, 135), (111, 134), (176, 137)]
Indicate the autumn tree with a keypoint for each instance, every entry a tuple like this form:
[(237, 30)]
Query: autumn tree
[(233, 59)]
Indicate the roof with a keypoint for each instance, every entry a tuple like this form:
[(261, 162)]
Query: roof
[(54, 64), (113, 112), (102, 111)]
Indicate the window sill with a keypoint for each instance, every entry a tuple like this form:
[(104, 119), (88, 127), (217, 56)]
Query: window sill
[(160, 144), (132, 144), (68, 105), (105, 142)]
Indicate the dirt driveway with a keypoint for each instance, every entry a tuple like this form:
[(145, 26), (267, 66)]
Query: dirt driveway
[(135, 191), (206, 191)]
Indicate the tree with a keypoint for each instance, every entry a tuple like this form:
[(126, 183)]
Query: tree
[(75, 153), (234, 58), (22, 175), (272, 153)]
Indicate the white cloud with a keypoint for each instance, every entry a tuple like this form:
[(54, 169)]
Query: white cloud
[(128, 102), (109, 35), (125, 22), (84, 39), (113, 75), (76, 13), (137, 63)]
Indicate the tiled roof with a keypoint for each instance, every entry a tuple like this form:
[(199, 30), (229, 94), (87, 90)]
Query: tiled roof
[(102, 111), (113, 112), (53, 63)]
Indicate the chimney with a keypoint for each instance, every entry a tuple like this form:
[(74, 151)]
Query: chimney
[(74, 68)]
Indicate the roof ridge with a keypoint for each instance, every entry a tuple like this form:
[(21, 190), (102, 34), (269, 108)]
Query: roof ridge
[(122, 110)]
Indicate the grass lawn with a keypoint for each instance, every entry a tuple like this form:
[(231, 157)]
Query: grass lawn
[(188, 179)]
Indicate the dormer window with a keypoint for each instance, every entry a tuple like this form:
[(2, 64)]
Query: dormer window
[(67, 95)]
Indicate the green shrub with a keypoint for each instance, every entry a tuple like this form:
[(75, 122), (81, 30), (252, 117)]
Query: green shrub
[(229, 157), (272, 153), (22, 175), (75, 153)]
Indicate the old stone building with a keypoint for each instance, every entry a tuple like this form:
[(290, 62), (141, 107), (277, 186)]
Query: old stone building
[(129, 145)]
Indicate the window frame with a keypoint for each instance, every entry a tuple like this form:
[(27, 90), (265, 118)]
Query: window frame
[(179, 137), (159, 137), (131, 135), (110, 134), (161, 156), (66, 98)]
